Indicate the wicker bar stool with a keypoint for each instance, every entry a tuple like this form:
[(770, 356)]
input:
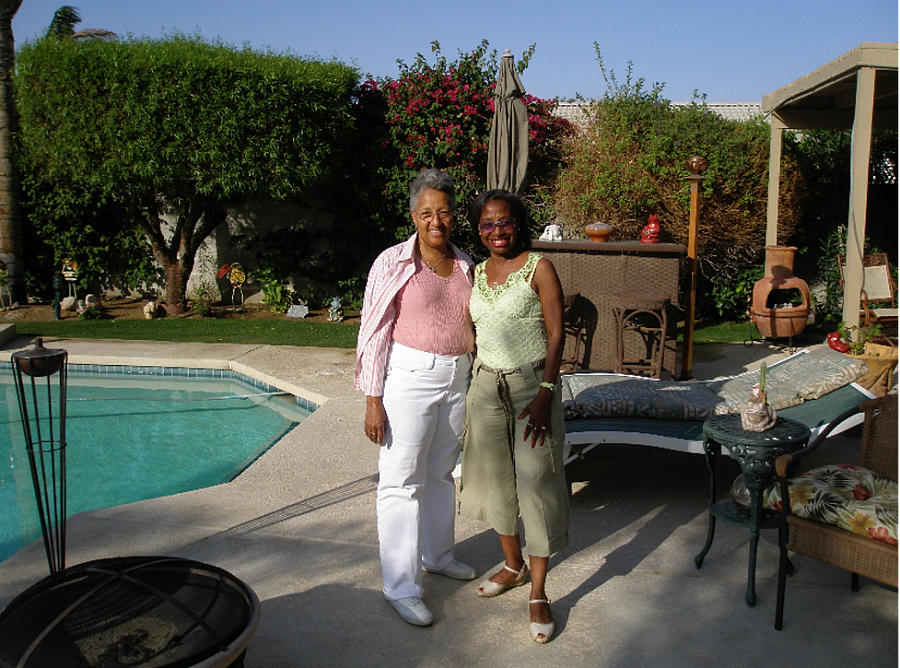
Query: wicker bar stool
[(646, 314)]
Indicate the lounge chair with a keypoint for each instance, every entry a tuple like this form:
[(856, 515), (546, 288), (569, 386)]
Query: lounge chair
[(812, 387), (878, 300)]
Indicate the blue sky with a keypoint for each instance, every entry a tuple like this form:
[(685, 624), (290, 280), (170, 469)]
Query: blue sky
[(731, 51)]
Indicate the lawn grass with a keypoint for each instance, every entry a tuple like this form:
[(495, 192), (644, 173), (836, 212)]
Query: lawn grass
[(740, 332), (287, 332), (720, 332)]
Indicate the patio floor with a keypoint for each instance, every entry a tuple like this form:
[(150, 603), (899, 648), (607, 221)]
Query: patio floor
[(298, 527)]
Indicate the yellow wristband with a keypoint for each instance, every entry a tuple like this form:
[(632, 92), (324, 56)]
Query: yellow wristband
[(549, 386)]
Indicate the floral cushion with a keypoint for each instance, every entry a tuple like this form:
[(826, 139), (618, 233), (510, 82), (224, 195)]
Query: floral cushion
[(846, 496), (807, 375)]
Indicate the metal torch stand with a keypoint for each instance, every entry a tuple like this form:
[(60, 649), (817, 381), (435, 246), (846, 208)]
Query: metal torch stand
[(41, 378)]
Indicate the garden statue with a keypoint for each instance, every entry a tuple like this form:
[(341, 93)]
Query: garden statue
[(70, 273), (650, 231), (836, 342), (236, 277), (757, 415), (335, 311), (552, 233), (297, 311)]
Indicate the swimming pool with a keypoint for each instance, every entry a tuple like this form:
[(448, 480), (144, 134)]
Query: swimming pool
[(133, 434)]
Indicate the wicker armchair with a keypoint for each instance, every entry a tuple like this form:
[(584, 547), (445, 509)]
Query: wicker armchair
[(839, 547)]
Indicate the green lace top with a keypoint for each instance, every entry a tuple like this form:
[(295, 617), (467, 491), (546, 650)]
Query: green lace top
[(509, 322)]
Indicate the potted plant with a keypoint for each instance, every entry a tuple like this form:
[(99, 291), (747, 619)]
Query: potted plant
[(757, 415), (880, 358)]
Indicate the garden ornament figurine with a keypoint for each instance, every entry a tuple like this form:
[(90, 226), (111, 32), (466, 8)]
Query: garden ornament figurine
[(835, 342), (335, 312), (297, 311), (650, 231), (756, 414), (70, 273), (236, 277), (552, 233)]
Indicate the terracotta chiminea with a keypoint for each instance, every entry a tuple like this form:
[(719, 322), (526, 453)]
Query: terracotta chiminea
[(772, 311)]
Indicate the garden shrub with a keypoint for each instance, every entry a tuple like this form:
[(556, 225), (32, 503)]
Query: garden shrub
[(439, 115), (630, 162), (173, 126), (826, 202), (732, 296), (829, 304)]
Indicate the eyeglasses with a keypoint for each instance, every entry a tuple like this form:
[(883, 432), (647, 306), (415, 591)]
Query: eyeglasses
[(428, 216), (505, 225)]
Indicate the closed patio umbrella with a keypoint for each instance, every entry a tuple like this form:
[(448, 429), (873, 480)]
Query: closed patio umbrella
[(508, 148)]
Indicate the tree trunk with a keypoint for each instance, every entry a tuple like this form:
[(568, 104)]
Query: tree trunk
[(11, 251), (195, 221)]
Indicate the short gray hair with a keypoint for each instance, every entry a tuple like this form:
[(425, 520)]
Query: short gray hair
[(433, 179)]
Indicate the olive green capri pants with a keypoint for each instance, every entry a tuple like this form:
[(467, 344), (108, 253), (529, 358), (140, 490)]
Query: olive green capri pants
[(502, 475)]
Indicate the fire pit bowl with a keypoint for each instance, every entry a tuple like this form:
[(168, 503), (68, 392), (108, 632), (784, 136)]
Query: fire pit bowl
[(131, 611)]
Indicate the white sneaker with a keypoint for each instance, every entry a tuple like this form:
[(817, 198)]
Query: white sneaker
[(456, 570), (413, 610)]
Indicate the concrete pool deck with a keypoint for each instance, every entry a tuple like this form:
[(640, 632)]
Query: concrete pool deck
[(298, 527)]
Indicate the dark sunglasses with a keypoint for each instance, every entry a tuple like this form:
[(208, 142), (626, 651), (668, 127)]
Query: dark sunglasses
[(505, 225)]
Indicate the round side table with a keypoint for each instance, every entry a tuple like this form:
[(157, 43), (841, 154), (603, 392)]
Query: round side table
[(756, 452)]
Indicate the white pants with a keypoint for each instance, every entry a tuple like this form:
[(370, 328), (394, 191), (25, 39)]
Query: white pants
[(425, 402)]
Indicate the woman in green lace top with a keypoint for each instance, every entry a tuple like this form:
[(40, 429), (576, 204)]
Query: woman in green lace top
[(512, 453)]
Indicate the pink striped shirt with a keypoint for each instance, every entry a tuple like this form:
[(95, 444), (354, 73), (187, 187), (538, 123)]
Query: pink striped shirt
[(389, 273)]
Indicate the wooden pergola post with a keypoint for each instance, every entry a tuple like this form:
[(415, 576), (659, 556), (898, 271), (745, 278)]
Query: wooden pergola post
[(860, 148), (858, 92)]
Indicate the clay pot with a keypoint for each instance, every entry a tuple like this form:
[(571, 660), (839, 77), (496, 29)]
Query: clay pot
[(599, 232), (779, 323), (174, 309), (757, 417)]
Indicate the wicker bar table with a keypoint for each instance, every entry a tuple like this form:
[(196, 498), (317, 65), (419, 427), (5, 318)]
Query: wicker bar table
[(756, 452), (597, 272)]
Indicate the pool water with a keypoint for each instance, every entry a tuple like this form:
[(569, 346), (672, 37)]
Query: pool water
[(133, 438)]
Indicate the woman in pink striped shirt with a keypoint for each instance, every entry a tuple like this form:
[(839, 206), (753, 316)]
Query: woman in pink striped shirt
[(414, 360)]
